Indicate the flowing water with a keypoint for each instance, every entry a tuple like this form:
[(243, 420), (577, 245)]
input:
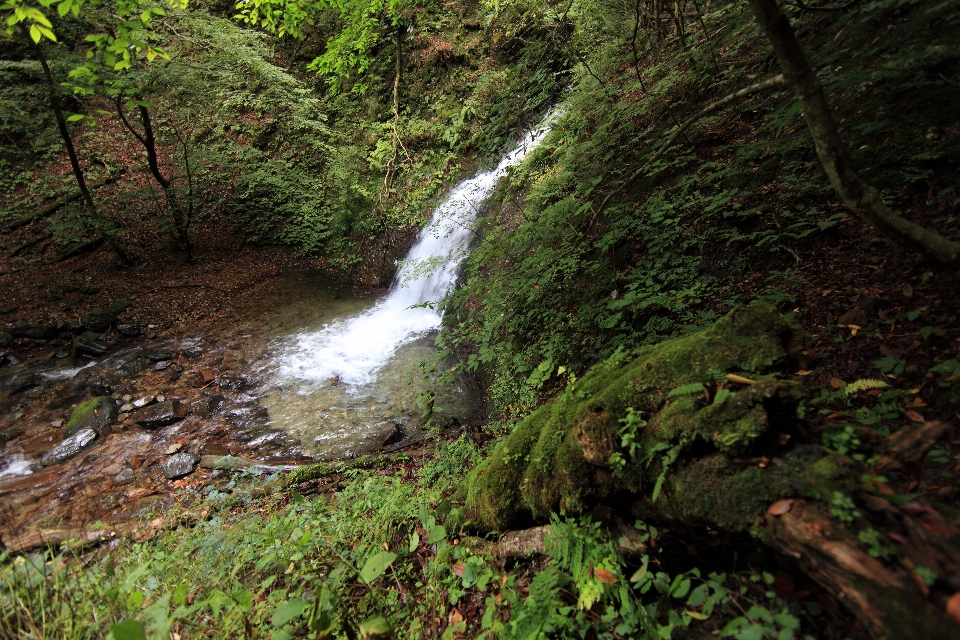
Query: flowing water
[(351, 382)]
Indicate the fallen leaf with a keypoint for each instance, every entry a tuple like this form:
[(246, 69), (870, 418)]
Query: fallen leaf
[(174, 448), (455, 617), (834, 416), (914, 416), (837, 383), (874, 393), (908, 290), (732, 377), (953, 607), (605, 576), (780, 507), (458, 568), (803, 372), (696, 615)]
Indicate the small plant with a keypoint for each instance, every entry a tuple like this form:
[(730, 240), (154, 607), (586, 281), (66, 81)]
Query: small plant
[(843, 508), (874, 543)]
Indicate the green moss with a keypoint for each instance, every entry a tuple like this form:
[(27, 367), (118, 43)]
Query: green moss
[(96, 413), (558, 458)]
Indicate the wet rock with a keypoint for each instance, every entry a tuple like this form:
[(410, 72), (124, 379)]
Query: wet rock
[(64, 352), (209, 406), (179, 465), (161, 398), (96, 414), (139, 403), (395, 436), (6, 339), (159, 355), (69, 447), (192, 352), (127, 398), (123, 416), (119, 306), (99, 320), (103, 386), (201, 377), (124, 477), (29, 376), (161, 414), (127, 408), (133, 366), (162, 365), (129, 329), (174, 373), (34, 331), (13, 358), (89, 343)]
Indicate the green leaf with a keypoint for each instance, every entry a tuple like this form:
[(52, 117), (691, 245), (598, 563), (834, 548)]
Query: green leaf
[(639, 573), (437, 534), (414, 541), (375, 565), (687, 389), (288, 610), (374, 626), (128, 630)]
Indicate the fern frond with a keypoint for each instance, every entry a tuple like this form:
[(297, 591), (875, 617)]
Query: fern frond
[(687, 389), (864, 384)]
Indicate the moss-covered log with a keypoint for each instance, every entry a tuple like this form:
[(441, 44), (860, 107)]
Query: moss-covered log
[(699, 431)]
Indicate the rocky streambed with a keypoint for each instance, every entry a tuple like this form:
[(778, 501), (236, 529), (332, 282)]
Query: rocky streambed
[(104, 422)]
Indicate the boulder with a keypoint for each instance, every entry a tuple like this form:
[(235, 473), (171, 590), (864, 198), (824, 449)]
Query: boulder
[(161, 414), (99, 320), (96, 414), (89, 343), (69, 447), (129, 329), (179, 465)]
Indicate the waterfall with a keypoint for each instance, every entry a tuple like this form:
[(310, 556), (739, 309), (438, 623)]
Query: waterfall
[(354, 349)]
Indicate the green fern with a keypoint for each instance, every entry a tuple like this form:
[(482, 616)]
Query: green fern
[(864, 384), (686, 390)]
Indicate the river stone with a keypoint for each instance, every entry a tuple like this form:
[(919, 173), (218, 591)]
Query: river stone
[(127, 408), (162, 414), (6, 339), (139, 403), (209, 406), (179, 465), (69, 447), (90, 343), (133, 366), (34, 331), (159, 355), (96, 413), (99, 320), (124, 477), (129, 329)]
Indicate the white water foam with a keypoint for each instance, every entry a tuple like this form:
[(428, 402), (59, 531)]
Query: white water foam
[(353, 350), (16, 465)]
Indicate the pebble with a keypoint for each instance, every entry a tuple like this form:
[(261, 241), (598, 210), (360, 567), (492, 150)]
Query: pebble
[(163, 364), (127, 408), (56, 424), (161, 398), (127, 398), (142, 402), (123, 416)]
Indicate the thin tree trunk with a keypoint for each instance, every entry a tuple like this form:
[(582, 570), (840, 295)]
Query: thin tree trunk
[(72, 152), (858, 196)]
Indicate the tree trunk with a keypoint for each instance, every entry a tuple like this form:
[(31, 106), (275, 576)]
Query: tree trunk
[(658, 435), (149, 142), (859, 197)]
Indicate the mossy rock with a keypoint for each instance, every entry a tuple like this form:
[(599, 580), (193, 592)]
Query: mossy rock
[(561, 457), (96, 413)]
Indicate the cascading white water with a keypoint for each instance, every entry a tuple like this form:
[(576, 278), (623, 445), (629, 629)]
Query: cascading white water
[(354, 349)]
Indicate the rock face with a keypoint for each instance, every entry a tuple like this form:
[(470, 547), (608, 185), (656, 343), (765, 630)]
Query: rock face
[(95, 414), (69, 447), (179, 465), (162, 414), (129, 329)]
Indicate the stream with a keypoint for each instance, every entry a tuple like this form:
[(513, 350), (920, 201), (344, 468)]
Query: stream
[(302, 369)]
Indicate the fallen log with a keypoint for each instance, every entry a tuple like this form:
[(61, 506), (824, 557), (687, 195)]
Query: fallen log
[(666, 436)]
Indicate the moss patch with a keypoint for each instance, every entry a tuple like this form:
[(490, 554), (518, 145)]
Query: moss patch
[(560, 457), (96, 413)]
